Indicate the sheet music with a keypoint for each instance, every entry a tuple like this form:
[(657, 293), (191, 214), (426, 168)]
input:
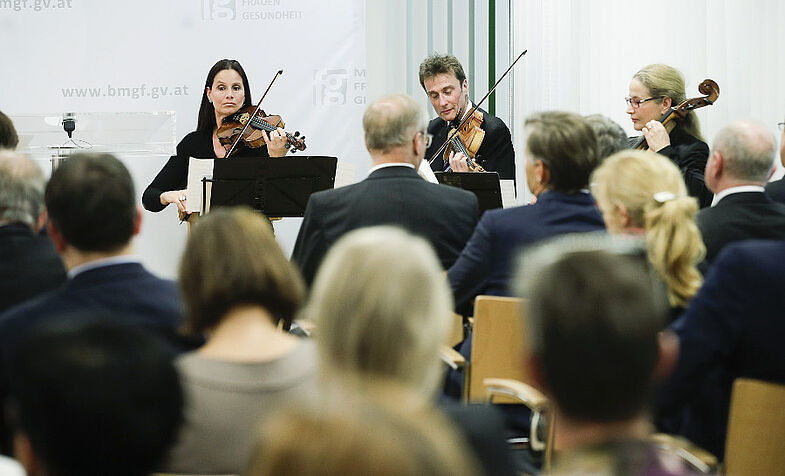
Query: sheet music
[(508, 193), (425, 171), (344, 174), (197, 170)]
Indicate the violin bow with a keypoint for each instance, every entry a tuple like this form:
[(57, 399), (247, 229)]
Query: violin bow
[(256, 109), (471, 112)]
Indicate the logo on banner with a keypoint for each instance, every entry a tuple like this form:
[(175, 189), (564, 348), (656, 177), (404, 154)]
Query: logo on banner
[(248, 10), (220, 10), (337, 86)]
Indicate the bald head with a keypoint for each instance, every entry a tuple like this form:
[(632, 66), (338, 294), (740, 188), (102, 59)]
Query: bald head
[(21, 189), (748, 151), (392, 122)]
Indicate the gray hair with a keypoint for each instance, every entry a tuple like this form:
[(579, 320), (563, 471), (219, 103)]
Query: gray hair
[(392, 121), (611, 138), (748, 150), (21, 189), (382, 307)]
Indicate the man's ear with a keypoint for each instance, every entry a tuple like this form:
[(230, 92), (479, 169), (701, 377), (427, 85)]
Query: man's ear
[(543, 173), (57, 237), (668, 355), (41, 221), (24, 453), (137, 220)]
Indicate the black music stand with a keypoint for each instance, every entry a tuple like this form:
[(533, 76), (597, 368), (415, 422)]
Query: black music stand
[(275, 186), (485, 185)]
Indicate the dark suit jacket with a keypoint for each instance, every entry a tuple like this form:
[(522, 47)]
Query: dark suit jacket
[(396, 195), (485, 264), (776, 190), (740, 216), (29, 265), (734, 327), (496, 153), (126, 290)]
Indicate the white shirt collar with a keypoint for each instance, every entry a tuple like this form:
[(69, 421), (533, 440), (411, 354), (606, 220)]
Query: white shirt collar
[(100, 263), (390, 164), (739, 189)]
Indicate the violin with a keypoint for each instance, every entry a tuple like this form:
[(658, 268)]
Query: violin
[(251, 129), (466, 140), (675, 114)]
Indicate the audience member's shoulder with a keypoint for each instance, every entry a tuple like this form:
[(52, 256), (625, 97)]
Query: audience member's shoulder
[(776, 190), (749, 252)]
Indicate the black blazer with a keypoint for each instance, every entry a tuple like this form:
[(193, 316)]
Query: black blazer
[(396, 195), (776, 190), (496, 153), (740, 216), (29, 265)]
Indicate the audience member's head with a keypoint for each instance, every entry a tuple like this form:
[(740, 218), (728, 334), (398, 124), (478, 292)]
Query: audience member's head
[(611, 138), (91, 204), (395, 125), (21, 189), (743, 153), (360, 437), (594, 353), (93, 397), (382, 308), (8, 137), (561, 152), (232, 259), (782, 143), (641, 191)]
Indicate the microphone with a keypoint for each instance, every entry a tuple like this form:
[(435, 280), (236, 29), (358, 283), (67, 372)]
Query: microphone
[(69, 123)]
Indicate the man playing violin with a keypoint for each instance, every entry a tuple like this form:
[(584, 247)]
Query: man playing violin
[(443, 79)]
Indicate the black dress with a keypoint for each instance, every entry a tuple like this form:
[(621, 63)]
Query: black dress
[(496, 153), (690, 156), (174, 175)]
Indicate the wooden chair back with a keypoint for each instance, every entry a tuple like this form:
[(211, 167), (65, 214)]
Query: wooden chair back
[(756, 429), (498, 344)]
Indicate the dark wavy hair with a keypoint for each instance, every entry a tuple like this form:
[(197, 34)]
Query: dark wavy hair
[(206, 110)]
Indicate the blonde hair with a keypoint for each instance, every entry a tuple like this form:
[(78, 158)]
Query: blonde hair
[(361, 436), (652, 190), (382, 308), (663, 80)]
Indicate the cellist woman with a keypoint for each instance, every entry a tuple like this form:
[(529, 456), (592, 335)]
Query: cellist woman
[(653, 91)]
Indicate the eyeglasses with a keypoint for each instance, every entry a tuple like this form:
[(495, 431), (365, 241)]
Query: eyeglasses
[(428, 138), (781, 126), (635, 103)]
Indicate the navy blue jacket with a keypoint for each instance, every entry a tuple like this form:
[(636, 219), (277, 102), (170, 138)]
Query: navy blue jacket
[(734, 327), (485, 264)]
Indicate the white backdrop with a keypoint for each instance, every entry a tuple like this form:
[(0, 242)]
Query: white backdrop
[(148, 55)]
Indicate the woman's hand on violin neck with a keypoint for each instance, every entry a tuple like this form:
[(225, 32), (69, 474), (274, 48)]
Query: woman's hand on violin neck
[(276, 142), (656, 135), (174, 196), (458, 162)]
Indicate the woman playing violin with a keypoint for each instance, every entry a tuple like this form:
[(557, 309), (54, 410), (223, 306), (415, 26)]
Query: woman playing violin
[(653, 91), (226, 91)]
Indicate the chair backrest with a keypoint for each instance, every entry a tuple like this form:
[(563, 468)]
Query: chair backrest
[(756, 428), (498, 343)]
